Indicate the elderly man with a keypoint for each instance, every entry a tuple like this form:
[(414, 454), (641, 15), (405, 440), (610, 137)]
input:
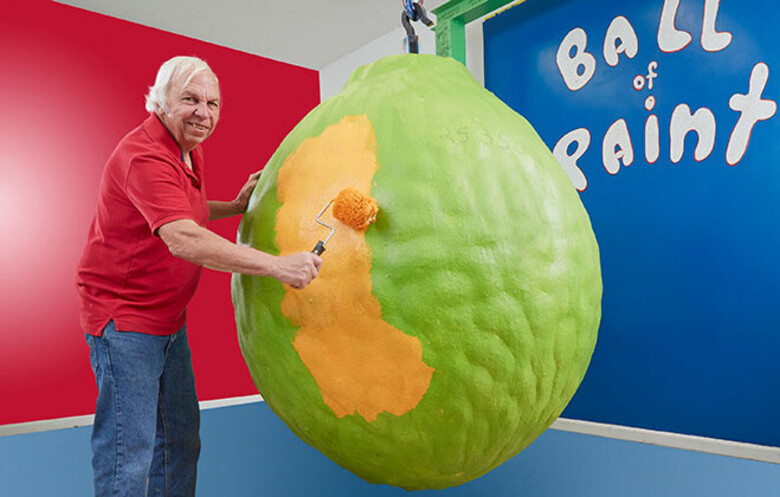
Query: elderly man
[(137, 273)]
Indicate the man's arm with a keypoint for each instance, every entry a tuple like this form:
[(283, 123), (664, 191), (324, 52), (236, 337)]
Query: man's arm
[(193, 243), (219, 209)]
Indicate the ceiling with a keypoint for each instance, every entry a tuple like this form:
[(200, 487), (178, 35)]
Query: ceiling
[(308, 33)]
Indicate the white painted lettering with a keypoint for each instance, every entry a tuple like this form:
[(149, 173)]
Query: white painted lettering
[(581, 137), (620, 29), (579, 68), (617, 146), (711, 40), (753, 109), (670, 39), (652, 136), (702, 122), (652, 140), (651, 74)]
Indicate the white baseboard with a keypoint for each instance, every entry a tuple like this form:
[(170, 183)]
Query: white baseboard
[(664, 439)]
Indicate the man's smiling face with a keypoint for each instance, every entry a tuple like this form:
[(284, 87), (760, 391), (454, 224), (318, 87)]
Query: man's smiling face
[(193, 108)]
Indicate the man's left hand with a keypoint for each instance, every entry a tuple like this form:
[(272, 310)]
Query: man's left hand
[(246, 191)]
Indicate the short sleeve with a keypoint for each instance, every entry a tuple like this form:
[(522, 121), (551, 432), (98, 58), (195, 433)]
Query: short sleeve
[(158, 190)]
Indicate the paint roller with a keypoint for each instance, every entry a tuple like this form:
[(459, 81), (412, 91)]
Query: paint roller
[(353, 208)]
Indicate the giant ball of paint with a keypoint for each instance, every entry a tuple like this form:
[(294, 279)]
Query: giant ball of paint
[(445, 338)]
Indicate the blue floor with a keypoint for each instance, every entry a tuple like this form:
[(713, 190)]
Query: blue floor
[(247, 451)]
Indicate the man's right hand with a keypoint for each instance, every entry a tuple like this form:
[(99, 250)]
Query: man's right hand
[(298, 270)]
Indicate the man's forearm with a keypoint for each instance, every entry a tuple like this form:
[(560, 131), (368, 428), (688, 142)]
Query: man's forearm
[(196, 244), (219, 209)]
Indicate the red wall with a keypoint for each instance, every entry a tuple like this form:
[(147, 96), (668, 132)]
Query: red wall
[(72, 84)]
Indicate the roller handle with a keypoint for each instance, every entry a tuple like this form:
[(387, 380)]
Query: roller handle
[(319, 248)]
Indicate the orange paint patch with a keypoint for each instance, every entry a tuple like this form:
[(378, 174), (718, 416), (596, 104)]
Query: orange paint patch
[(360, 363)]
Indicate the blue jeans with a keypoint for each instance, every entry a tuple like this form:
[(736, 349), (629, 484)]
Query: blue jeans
[(145, 438)]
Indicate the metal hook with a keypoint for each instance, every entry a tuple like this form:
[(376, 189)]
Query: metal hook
[(413, 11)]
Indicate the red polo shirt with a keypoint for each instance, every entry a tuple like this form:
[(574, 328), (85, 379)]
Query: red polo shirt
[(126, 271)]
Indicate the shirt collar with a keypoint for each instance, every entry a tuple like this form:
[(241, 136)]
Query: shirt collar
[(160, 134)]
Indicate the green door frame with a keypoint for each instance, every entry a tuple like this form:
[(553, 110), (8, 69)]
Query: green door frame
[(451, 20)]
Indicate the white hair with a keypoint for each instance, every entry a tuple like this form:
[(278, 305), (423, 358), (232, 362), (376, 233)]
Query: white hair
[(156, 99)]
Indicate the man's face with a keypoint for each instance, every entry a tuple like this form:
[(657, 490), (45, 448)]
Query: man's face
[(193, 108)]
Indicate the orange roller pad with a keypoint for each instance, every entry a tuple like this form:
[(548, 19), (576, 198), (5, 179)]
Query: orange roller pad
[(355, 209)]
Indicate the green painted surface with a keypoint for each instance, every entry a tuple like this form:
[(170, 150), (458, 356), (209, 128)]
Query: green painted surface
[(451, 20), (482, 250)]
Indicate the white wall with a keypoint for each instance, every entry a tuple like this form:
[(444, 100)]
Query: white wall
[(334, 75)]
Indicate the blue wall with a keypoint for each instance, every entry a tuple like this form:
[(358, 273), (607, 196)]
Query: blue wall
[(689, 336), (247, 451)]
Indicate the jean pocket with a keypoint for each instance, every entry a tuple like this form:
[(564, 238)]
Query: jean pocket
[(92, 353)]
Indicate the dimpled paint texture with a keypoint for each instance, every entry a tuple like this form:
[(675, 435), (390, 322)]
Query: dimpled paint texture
[(482, 250)]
